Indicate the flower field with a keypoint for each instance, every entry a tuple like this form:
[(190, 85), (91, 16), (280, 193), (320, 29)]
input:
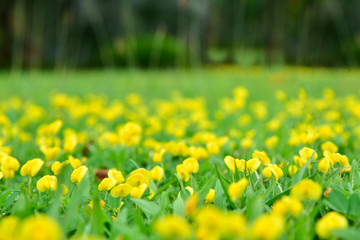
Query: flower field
[(221, 154)]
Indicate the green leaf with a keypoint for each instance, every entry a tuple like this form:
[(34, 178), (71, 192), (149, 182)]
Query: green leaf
[(179, 207), (98, 218), (354, 204), (10, 200), (334, 173), (220, 199), (276, 197), (354, 174), (205, 189), (164, 187), (255, 207), (20, 205), (337, 201), (149, 208), (224, 186), (4, 195), (346, 234)]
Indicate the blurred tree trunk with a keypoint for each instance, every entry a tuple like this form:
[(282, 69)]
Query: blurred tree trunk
[(18, 26)]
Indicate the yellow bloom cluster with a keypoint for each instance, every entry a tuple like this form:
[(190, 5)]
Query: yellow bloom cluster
[(180, 168)]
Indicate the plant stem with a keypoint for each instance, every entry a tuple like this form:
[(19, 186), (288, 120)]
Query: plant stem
[(30, 187)]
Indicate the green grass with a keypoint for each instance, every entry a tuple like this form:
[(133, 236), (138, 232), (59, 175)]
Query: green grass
[(137, 216), (210, 83)]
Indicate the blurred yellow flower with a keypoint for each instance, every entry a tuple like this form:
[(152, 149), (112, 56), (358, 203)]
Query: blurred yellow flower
[(9, 227), (157, 173), (47, 182), (231, 162), (210, 196), (236, 189), (40, 227), (31, 167), (121, 190), (172, 227), (307, 189), (330, 221), (78, 174), (262, 156), (117, 175), (287, 205), (107, 184), (253, 164), (267, 227)]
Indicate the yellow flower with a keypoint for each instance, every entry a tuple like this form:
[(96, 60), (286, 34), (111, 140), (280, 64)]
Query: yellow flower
[(306, 153), (54, 127), (329, 222), (137, 179), (47, 182), (157, 173), (40, 227), (247, 142), (267, 227), (191, 203), (307, 189), (172, 227), (117, 175), (2, 154), (182, 172), (198, 152), (137, 192), (9, 163), (292, 170), (75, 162), (213, 148), (189, 189), (56, 167), (70, 142), (287, 205), (50, 152), (329, 146), (9, 227), (324, 165), (271, 142), (8, 174), (262, 156), (146, 173), (331, 157), (210, 223), (158, 156), (272, 170), (106, 184), (121, 190), (191, 164), (234, 225), (78, 174), (210, 196), (230, 163), (253, 164), (300, 161), (236, 189), (344, 161), (31, 167)]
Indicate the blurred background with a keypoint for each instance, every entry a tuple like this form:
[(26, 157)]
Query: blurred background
[(82, 34)]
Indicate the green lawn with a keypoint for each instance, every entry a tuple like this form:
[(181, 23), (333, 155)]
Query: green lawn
[(211, 83)]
